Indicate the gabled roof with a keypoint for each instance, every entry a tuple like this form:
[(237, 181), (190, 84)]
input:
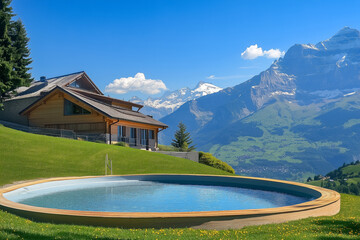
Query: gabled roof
[(108, 110), (39, 88)]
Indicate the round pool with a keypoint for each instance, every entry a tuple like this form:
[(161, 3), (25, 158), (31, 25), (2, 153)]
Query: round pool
[(167, 200)]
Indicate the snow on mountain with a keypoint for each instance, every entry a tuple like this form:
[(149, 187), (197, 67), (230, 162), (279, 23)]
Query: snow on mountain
[(171, 101)]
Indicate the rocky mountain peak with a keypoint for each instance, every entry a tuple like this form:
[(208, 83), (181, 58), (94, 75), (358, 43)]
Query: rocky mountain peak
[(347, 32), (346, 38)]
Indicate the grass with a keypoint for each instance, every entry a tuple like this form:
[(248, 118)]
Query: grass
[(345, 225), (352, 170), (26, 156), (168, 148)]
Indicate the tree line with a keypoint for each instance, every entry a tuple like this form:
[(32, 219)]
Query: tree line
[(340, 181)]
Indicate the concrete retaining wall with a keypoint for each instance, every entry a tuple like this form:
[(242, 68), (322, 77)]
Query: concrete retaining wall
[(193, 156)]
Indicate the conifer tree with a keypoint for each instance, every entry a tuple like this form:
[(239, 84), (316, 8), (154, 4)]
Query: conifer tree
[(14, 54), (21, 53), (182, 139), (5, 48)]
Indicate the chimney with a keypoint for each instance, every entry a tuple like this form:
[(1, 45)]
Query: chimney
[(42, 79)]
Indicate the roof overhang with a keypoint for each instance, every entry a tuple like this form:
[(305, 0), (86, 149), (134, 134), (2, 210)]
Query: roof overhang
[(139, 106)]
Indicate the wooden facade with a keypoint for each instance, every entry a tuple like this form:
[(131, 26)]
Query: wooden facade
[(49, 113)]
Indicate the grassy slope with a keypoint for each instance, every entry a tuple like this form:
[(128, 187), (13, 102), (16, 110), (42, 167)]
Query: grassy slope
[(348, 173), (62, 157), (26, 156), (351, 170)]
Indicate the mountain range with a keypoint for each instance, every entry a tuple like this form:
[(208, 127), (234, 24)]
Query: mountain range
[(298, 118), (172, 100)]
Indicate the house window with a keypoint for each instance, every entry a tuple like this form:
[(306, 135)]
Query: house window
[(133, 136), (133, 132), (121, 131), (143, 136), (74, 84), (151, 134), (73, 109), (122, 134)]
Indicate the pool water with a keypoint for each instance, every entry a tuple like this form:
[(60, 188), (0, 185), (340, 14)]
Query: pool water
[(147, 196)]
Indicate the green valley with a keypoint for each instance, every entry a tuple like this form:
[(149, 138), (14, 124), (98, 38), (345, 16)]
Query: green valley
[(295, 141)]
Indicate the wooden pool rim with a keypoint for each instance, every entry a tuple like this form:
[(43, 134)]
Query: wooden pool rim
[(327, 203)]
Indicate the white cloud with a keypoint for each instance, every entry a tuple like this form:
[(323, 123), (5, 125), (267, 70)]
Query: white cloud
[(137, 83), (274, 53), (254, 51)]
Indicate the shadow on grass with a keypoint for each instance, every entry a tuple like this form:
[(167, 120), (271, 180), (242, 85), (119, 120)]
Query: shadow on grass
[(61, 235), (344, 227)]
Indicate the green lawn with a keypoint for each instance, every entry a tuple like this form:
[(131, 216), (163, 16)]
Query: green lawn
[(26, 156)]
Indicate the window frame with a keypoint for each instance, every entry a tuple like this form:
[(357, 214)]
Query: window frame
[(69, 105)]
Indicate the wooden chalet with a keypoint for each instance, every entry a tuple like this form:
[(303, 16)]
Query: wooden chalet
[(74, 102)]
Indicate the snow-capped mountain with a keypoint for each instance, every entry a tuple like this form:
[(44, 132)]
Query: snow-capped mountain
[(171, 101), (308, 97), (307, 73)]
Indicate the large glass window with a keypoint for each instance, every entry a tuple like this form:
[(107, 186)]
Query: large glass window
[(151, 134), (133, 132), (133, 136), (122, 131), (143, 136), (73, 109)]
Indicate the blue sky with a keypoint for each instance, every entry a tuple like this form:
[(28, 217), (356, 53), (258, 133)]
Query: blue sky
[(177, 42)]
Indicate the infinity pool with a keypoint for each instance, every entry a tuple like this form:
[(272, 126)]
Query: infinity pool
[(115, 194)]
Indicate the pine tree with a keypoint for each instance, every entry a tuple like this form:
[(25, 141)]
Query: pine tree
[(21, 53), (14, 54), (182, 139), (5, 49)]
